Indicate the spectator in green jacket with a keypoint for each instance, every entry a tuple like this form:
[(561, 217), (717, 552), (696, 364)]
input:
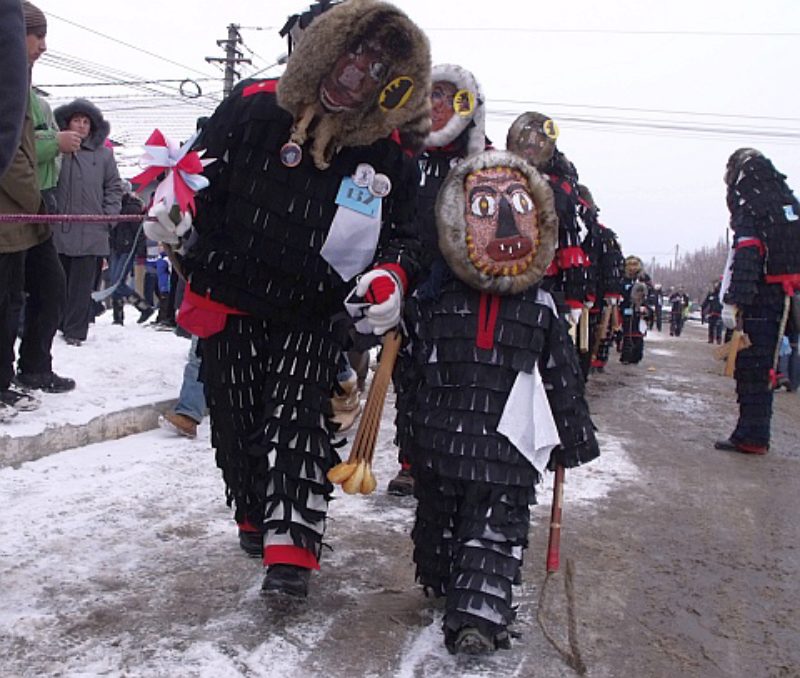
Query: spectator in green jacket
[(44, 279)]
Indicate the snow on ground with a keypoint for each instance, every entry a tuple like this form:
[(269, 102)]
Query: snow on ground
[(116, 368), (89, 534)]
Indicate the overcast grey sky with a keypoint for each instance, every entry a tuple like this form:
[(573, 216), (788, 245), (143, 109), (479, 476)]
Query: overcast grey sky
[(651, 97)]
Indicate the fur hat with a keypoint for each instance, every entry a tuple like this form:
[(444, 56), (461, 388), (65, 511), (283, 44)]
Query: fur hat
[(333, 34), (474, 122), (451, 206), (100, 127), (35, 20)]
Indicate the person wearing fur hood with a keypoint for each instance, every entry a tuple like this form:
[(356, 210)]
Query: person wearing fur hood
[(458, 130), (88, 183), (500, 394), (312, 194)]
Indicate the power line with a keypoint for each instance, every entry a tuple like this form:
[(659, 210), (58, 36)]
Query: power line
[(613, 31), (126, 44), (646, 110)]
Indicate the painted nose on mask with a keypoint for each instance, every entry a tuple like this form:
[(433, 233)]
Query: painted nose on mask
[(506, 226), (351, 76)]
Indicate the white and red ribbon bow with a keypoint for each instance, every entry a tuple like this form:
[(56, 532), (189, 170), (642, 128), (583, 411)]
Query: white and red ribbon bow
[(183, 169)]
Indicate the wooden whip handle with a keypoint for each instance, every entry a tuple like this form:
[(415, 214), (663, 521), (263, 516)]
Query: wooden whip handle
[(554, 541)]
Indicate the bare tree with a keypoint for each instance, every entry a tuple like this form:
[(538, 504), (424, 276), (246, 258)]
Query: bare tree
[(695, 272)]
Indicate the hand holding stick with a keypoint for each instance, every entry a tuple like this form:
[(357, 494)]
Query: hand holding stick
[(355, 475)]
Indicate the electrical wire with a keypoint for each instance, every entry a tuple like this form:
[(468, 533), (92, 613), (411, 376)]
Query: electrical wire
[(126, 44)]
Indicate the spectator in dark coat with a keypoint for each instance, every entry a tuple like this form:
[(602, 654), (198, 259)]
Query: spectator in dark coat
[(14, 83), (89, 183)]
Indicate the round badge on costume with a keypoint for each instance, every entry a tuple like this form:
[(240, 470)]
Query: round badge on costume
[(363, 175), (381, 186), (464, 103), (396, 94), (291, 154), (550, 128)]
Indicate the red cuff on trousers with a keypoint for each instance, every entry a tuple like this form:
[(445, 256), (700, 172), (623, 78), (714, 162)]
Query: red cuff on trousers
[(280, 554)]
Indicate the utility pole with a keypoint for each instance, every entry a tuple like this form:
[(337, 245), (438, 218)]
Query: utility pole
[(232, 57), (676, 256)]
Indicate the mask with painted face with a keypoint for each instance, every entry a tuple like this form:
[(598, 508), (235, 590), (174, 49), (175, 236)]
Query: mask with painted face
[(359, 72), (497, 227), (533, 136)]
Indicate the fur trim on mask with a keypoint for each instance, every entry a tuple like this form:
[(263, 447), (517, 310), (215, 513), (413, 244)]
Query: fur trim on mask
[(451, 206), (476, 136), (325, 40)]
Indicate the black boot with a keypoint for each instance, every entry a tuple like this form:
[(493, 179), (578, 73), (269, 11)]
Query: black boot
[(165, 320), (117, 308), (290, 580), (145, 309)]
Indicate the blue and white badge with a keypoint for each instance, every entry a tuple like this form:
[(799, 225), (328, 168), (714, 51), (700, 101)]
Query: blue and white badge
[(357, 198)]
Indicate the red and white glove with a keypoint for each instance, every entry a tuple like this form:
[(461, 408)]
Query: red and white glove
[(383, 292)]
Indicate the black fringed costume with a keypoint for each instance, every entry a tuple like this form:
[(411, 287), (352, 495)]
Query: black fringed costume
[(604, 284), (460, 137), (634, 296), (269, 373), (473, 486), (765, 219), (712, 314)]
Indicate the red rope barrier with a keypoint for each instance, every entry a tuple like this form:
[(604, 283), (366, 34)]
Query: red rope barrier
[(69, 218)]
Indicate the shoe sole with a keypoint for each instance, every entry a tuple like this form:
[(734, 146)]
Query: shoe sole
[(167, 425)]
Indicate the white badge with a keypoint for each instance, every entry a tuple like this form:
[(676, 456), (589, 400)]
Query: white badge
[(364, 175), (381, 186)]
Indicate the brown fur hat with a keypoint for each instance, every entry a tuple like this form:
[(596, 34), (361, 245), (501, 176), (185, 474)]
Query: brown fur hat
[(326, 39), (451, 205)]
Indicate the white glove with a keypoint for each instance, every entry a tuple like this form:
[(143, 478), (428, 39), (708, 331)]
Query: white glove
[(164, 229), (589, 304), (384, 294), (729, 316), (575, 315), (612, 301)]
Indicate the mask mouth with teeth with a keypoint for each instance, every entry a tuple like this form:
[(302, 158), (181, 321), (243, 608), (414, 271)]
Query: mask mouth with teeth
[(496, 221)]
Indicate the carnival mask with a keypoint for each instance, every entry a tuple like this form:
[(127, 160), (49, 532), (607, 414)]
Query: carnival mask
[(633, 266), (502, 232), (503, 236), (354, 79), (533, 136)]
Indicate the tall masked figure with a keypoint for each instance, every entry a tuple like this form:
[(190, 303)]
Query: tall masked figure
[(457, 131), (759, 288), (312, 195), (500, 397)]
